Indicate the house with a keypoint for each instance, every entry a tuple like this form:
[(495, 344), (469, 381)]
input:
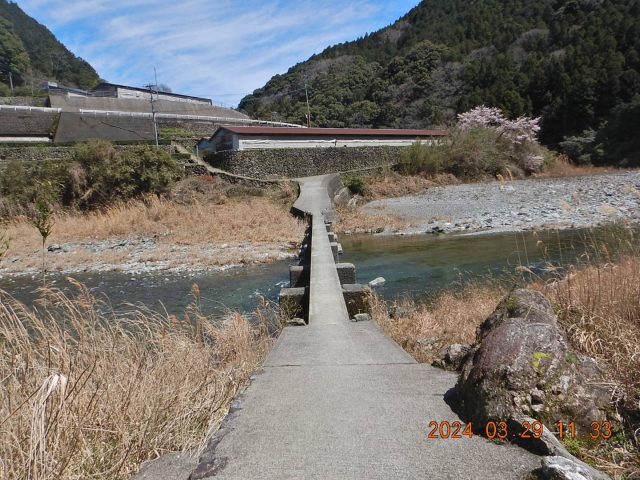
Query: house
[(112, 90), (54, 88), (258, 137), (204, 146)]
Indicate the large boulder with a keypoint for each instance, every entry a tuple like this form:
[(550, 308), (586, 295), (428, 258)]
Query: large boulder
[(521, 365)]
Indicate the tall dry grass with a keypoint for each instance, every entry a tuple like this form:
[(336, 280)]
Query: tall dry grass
[(352, 219), (599, 307), (253, 219), (88, 395), (254, 228), (452, 316), (562, 166)]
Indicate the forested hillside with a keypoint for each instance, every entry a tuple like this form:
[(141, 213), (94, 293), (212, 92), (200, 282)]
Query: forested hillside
[(572, 62), (32, 51)]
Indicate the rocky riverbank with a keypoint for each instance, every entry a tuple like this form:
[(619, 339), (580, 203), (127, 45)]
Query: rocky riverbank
[(137, 255), (532, 204)]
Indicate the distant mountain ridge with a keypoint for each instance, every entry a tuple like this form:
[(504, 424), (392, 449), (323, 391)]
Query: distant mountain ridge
[(569, 61), (31, 50)]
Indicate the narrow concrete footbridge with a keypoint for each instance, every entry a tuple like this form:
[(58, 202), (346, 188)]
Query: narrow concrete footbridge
[(338, 399)]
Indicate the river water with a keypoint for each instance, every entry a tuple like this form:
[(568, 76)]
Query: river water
[(415, 264)]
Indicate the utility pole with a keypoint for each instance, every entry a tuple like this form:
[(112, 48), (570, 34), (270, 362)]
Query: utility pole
[(153, 110), (306, 94)]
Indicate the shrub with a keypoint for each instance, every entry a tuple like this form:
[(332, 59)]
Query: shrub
[(355, 185), (101, 174), (484, 143), (420, 158)]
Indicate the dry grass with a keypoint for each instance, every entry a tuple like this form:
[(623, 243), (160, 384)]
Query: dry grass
[(90, 396), (598, 305), (389, 184), (352, 219), (250, 220), (452, 317), (257, 224), (562, 166)]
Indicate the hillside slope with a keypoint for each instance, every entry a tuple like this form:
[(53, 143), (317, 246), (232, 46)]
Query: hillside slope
[(31, 50), (570, 61)]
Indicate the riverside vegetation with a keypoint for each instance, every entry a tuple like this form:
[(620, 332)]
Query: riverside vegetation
[(93, 395), (140, 198)]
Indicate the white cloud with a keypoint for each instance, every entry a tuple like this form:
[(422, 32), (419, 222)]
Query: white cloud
[(207, 48)]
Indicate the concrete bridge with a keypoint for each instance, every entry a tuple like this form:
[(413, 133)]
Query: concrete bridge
[(338, 399)]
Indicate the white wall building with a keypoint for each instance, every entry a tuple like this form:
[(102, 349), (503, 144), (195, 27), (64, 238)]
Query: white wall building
[(249, 138)]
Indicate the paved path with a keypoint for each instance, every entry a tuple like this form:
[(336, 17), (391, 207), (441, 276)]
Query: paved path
[(341, 400)]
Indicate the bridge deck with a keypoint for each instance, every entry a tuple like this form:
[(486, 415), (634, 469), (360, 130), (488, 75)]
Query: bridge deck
[(340, 400)]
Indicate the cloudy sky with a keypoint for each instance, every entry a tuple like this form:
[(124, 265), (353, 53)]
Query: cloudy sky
[(218, 49)]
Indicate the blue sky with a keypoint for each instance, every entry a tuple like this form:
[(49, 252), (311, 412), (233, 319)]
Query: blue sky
[(220, 49)]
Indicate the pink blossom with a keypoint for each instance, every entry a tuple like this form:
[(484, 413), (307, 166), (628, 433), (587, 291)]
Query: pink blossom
[(518, 130)]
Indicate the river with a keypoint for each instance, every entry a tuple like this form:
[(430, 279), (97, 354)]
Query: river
[(412, 264)]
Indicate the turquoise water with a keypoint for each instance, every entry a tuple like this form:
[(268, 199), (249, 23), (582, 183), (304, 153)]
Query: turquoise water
[(240, 289), (416, 265), (419, 264)]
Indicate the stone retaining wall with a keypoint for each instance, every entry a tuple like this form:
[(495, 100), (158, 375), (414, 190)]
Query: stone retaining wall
[(43, 153), (303, 162), (200, 127), (24, 101)]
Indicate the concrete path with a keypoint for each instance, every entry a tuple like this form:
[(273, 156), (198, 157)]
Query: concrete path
[(340, 400)]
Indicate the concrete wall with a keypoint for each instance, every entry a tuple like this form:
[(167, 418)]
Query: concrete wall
[(71, 104), (302, 162)]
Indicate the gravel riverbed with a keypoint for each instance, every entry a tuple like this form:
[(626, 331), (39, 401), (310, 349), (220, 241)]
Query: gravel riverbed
[(519, 205)]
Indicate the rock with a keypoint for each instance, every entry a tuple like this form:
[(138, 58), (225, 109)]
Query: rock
[(361, 317), (452, 356), (53, 248), (520, 361), (377, 282), (342, 197), (560, 468), (296, 322)]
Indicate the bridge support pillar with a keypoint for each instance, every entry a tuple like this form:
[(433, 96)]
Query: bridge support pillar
[(334, 250), (346, 273), (299, 276), (295, 302), (357, 297)]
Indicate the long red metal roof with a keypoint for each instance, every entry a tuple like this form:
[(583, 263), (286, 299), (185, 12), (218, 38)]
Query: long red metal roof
[(331, 131)]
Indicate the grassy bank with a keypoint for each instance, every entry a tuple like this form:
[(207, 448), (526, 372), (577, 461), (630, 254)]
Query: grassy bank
[(598, 305), (89, 395), (188, 228)]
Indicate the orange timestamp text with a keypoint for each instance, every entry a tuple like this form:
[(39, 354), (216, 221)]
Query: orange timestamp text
[(491, 430), (501, 430)]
